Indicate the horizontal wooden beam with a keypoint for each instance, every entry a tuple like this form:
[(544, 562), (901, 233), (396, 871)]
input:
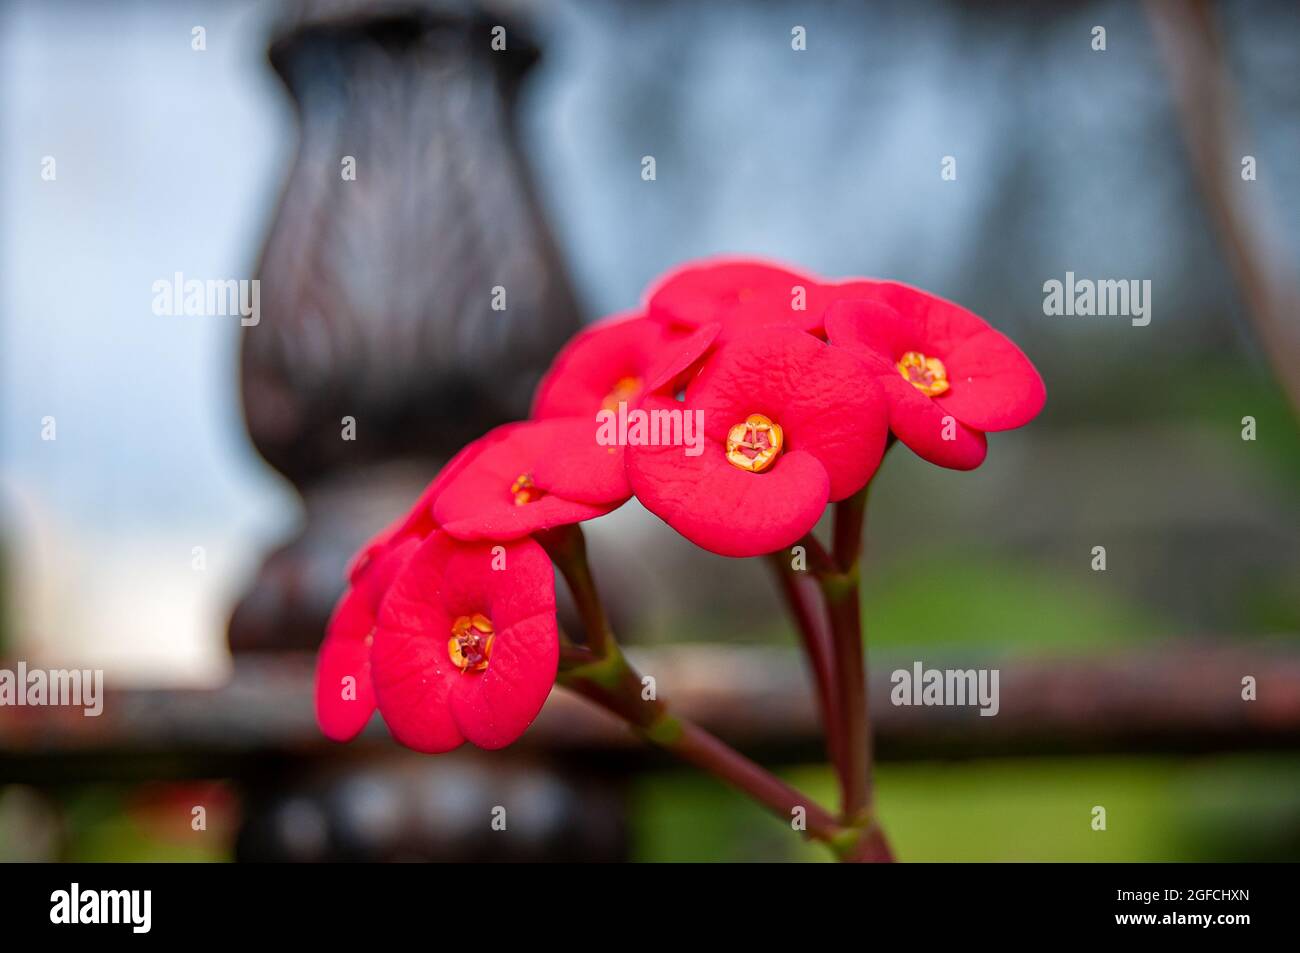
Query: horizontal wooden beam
[(1183, 696)]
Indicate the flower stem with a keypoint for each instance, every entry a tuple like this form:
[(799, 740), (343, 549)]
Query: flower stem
[(599, 672), (571, 655), (567, 547), (840, 590), (850, 517), (804, 601), (616, 686), (870, 847), (841, 593)]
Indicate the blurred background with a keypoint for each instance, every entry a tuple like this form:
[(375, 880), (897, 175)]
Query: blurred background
[(186, 530)]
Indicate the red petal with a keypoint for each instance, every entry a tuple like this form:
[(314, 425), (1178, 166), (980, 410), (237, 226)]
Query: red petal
[(508, 583), (410, 667), (875, 328), (477, 503), (346, 649), (678, 362), (383, 569), (345, 653), (417, 522), (428, 703), (944, 325), (920, 423), (577, 467), (992, 385), (366, 555), (825, 399), (494, 707), (737, 292), (722, 508), (591, 365)]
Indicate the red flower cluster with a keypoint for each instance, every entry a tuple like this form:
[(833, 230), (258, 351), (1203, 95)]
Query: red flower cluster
[(897, 359), (741, 399)]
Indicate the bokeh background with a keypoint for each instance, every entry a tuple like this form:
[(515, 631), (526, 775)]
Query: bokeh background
[(1068, 159)]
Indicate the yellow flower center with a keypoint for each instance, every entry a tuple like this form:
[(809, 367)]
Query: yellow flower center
[(624, 389), (470, 645), (525, 491), (754, 444), (926, 374)]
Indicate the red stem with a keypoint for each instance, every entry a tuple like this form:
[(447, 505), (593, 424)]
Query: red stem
[(705, 751), (804, 601), (599, 672), (567, 547), (872, 848), (850, 517), (616, 686), (843, 605)]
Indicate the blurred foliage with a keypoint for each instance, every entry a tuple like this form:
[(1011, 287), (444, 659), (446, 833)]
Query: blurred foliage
[(1000, 604), (1157, 809), (116, 822), (1232, 808), (1222, 392)]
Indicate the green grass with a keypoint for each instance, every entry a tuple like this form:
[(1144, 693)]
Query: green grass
[(1157, 809), (1003, 605)]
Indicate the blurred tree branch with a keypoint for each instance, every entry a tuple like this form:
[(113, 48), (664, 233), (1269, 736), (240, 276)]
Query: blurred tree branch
[(1192, 47)]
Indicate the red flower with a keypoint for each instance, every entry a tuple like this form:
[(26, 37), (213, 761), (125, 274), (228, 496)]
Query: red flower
[(525, 477), (615, 361), (344, 707), (743, 293), (949, 376), (466, 647), (789, 424)]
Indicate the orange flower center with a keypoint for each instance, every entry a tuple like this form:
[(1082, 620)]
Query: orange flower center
[(754, 444), (470, 645), (926, 374), (624, 389), (525, 491)]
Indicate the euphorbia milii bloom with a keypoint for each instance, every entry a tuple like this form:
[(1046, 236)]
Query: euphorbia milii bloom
[(524, 477), (741, 294), (948, 374), (344, 697), (466, 647), (790, 423), (616, 361)]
